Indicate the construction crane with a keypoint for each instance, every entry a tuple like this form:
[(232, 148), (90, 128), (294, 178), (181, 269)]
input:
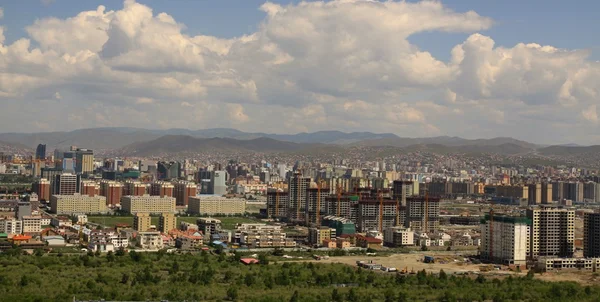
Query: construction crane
[(397, 212), (380, 195), (319, 200), (338, 191), (491, 253)]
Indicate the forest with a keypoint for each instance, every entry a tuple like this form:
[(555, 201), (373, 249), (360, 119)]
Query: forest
[(136, 276)]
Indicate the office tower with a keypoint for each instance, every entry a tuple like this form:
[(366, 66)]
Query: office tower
[(84, 161), (90, 188), (591, 235), (42, 188), (40, 152), (218, 183), (134, 188), (546, 193), (505, 239), (112, 190), (298, 188), (168, 170), (148, 204), (167, 222), (142, 222), (422, 214), (552, 231), (277, 204), (535, 194), (183, 191), (77, 204), (162, 189), (66, 184), (402, 189)]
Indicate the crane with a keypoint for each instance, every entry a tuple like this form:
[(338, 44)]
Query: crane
[(426, 227), (397, 212), (491, 253), (319, 200), (338, 191)]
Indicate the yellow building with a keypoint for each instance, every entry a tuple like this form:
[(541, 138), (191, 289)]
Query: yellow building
[(142, 222), (77, 204), (167, 222), (213, 205), (148, 204)]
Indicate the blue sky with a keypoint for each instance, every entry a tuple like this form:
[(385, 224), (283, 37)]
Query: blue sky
[(563, 24)]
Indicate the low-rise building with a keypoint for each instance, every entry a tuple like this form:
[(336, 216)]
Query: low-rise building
[(368, 242), (398, 236), (32, 224), (316, 236), (167, 222), (61, 221), (216, 205), (142, 222), (185, 226), (81, 219), (548, 264), (148, 204), (11, 226), (149, 240), (192, 241), (258, 235), (209, 226)]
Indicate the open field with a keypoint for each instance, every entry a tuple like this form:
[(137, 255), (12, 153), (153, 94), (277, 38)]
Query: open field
[(111, 221)]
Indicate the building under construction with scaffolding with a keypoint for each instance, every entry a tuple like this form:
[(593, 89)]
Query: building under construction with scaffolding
[(422, 213), (505, 239)]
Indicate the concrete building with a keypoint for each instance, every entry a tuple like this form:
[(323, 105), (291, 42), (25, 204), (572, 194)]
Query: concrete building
[(90, 188), (184, 190), (369, 215), (402, 189), (535, 194), (32, 224), (277, 203), (23, 209), (134, 188), (216, 205), (505, 239), (84, 163), (11, 226), (316, 236), (148, 204), (142, 222), (66, 184), (112, 190), (547, 193), (218, 183), (258, 235), (552, 232), (149, 240), (298, 193), (549, 264), (209, 226), (42, 188), (591, 235), (422, 214), (167, 222), (398, 236), (313, 200), (77, 204), (162, 189)]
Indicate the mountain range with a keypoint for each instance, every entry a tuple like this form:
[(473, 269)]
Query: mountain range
[(146, 142)]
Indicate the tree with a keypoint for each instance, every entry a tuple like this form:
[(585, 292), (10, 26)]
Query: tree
[(110, 256), (135, 256), (352, 296), (335, 295), (97, 253), (278, 252), (38, 252), (232, 293), (120, 252), (443, 275), (424, 248), (263, 260), (390, 296), (295, 297)]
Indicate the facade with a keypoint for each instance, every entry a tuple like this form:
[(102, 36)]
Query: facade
[(316, 198), (40, 152), (402, 189), (216, 205), (84, 163), (369, 215), (11, 226), (218, 183), (142, 222), (77, 204), (421, 211), (162, 189), (148, 204), (184, 190), (90, 188), (258, 235), (298, 193), (167, 222), (277, 203), (552, 232), (66, 184), (149, 240), (549, 264), (32, 224), (398, 236), (42, 188), (316, 236), (341, 225), (113, 191), (134, 188), (209, 226), (505, 239), (591, 235), (23, 209)]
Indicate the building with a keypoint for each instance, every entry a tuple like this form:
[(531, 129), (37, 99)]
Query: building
[(134, 188), (547, 193), (84, 161), (535, 194), (187, 242), (368, 242), (209, 226), (149, 240), (148, 204), (40, 152), (61, 221), (258, 235), (168, 170), (23, 209), (277, 203), (218, 183), (32, 224), (216, 205), (552, 232), (402, 189), (549, 264), (315, 204), (183, 190), (90, 188), (341, 225), (77, 204), (167, 222), (591, 235), (316, 236), (42, 188), (505, 239), (422, 214), (142, 222), (11, 226), (66, 184), (112, 190), (369, 215), (298, 193), (162, 189), (398, 236)]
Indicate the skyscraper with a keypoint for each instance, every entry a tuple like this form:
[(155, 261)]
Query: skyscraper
[(184, 190), (66, 184), (40, 152), (298, 188), (218, 185), (591, 235), (84, 161), (552, 231)]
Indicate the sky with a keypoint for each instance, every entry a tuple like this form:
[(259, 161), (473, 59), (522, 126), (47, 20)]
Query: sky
[(468, 68)]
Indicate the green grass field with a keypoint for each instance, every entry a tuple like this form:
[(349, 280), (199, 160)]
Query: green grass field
[(111, 221)]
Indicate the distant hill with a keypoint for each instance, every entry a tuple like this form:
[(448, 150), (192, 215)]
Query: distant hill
[(177, 144), (447, 141), (502, 149), (569, 150)]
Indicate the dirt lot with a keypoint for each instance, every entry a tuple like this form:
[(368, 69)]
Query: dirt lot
[(414, 261), (586, 278)]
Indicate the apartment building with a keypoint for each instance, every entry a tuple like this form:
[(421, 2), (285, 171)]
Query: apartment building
[(148, 204), (591, 235), (298, 193), (162, 189), (32, 224), (142, 222), (315, 203), (216, 205), (505, 239), (209, 226), (112, 190), (167, 222), (369, 214), (398, 236), (11, 226), (552, 231), (77, 204), (316, 236), (277, 203), (149, 240), (183, 191), (258, 235), (344, 206), (134, 188), (422, 214)]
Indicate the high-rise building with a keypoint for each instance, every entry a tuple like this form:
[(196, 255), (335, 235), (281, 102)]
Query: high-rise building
[(40, 152), (591, 235), (142, 222), (552, 232), (162, 189), (66, 184), (134, 188), (184, 190), (316, 203), (277, 203), (505, 239), (218, 183), (112, 190), (167, 222), (42, 188), (84, 161), (298, 187), (370, 215), (168, 170), (90, 188), (422, 213), (402, 189), (535, 194), (546, 193)]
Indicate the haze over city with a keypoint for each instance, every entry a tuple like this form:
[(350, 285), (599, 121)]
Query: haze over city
[(415, 69)]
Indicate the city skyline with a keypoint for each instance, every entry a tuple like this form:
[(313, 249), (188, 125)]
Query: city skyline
[(415, 69)]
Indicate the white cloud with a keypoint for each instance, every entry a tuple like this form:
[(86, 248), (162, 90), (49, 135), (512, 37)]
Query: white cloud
[(1, 12), (342, 64)]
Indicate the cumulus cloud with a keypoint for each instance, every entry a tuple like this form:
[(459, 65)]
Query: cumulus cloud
[(341, 64)]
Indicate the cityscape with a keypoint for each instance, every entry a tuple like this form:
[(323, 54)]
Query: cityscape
[(339, 150)]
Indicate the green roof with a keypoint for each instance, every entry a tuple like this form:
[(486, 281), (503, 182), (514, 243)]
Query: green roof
[(508, 219), (353, 198), (3, 235)]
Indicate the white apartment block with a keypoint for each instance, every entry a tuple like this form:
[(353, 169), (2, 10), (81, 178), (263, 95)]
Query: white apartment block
[(505, 240), (552, 231), (149, 240), (213, 205), (398, 236), (148, 204), (257, 235), (77, 204), (32, 224), (11, 226)]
